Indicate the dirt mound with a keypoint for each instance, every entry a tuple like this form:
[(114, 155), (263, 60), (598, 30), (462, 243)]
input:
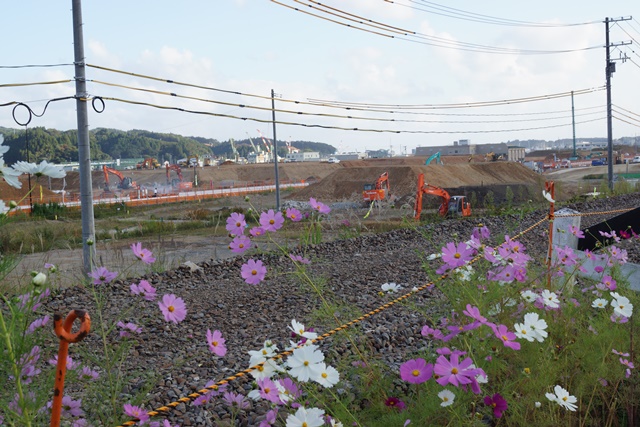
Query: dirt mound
[(9, 193), (348, 182)]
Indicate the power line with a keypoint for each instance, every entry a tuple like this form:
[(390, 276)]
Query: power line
[(627, 116), (478, 17), (33, 66), (624, 109), (624, 121), (416, 37), (55, 82)]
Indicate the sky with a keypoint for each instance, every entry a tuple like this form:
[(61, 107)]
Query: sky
[(329, 77)]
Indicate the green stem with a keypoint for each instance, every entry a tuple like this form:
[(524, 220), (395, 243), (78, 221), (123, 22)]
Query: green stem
[(355, 420)]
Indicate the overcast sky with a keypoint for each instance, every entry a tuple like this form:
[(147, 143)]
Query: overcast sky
[(253, 46)]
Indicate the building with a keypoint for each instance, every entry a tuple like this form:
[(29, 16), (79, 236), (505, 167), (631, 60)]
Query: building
[(306, 156), (516, 154), (350, 156), (464, 147)]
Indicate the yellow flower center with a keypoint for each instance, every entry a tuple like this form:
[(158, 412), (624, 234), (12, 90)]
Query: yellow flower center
[(214, 343), (306, 363), (324, 375), (454, 371), (457, 255), (445, 399), (304, 424), (241, 245), (301, 331), (237, 224), (415, 372), (264, 351), (267, 390), (504, 338), (171, 309), (254, 272), (271, 222), (564, 398), (260, 368)]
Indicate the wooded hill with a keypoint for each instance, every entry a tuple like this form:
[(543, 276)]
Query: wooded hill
[(57, 146)]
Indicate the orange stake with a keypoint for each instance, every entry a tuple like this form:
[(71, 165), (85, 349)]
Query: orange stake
[(550, 189), (63, 332)]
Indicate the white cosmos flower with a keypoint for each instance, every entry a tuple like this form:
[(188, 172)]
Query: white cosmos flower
[(3, 148), (10, 175), (305, 362), (327, 376), (622, 306), (433, 256), (283, 393), (529, 296), (550, 299), (44, 168), (3, 208), (547, 196), (312, 417), (599, 303), (266, 370), (299, 329), (538, 404), (562, 398), (536, 325), (390, 287), (523, 331), (447, 397)]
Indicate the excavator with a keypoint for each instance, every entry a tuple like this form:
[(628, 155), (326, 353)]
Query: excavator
[(435, 157), (180, 182), (125, 181), (148, 163), (379, 190), (451, 205)]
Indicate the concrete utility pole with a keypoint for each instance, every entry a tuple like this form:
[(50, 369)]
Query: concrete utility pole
[(610, 68), (573, 122), (275, 147), (84, 152)]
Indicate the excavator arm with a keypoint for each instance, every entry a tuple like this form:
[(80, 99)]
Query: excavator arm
[(434, 191)]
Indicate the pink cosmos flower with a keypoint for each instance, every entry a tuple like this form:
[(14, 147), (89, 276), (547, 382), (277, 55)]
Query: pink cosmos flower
[(576, 231), (566, 256), (269, 391), (507, 337), (269, 418), (253, 272), (70, 407), (101, 276), (235, 400), (454, 372), (320, 207), (71, 364), (293, 214), (145, 289), (481, 232), (38, 323), (456, 256), (89, 373), (598, 269), (394, 402), (173, 308), (236, 223), (433, 333), (128, 327), (299, 258), (256, 231), (216, 343), (271, 221), (608, 282), (240, 244), (136, 412), (416, 371), (200, 400), (498, 403), (144, 255), (619, 353)]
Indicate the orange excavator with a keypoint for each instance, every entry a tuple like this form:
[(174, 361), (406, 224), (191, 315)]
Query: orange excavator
[(180, 182), (379, 190), (125, 181), (451, 205)]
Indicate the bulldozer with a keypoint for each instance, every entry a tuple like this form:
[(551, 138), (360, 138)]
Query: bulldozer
[(451, 205), (378, 190)]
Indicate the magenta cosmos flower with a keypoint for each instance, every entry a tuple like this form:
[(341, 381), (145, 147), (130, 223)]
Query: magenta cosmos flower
[(498, 403), (173, 308), (256, 231), (101, 276), (144, 255), (453, 371), (136, 412), (145, 289), (320, 207), (216, 343), (299, 258), (507, 337), (293, 214), (271, 221), (236, 223), (240, 244), (253, 272), (456, 256), (394, 402), (416, 371)]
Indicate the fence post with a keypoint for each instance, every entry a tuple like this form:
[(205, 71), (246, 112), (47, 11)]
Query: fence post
[(549, 193), (562, 236)]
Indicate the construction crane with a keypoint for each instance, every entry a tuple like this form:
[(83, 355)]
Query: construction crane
[(255, 149), (377, 191), (235, 151), (125, 182), (267, 145), (435, 157), (451, 205)]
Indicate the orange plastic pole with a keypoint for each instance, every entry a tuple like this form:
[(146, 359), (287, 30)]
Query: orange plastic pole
[(63, 332), (550, 189)]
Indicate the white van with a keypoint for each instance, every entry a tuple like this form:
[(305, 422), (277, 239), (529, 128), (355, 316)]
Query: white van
[(333, 160)]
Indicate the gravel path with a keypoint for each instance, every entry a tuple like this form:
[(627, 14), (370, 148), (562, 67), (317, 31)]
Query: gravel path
[(351, 271)]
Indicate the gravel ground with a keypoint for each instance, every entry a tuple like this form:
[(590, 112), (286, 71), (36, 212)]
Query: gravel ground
[(352, 271)]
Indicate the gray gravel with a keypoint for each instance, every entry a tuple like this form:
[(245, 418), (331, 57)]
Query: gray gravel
[(352, 272)]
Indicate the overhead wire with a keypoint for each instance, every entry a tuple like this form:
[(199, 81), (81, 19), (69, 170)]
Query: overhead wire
[(53, 82), (624, 121), (307, 125), (481, 18), (421, 38), (33, 66), (626, 115), (279, 110), (624, 109)]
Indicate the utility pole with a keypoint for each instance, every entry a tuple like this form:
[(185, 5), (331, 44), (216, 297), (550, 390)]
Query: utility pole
[(275, 147), (610, 68), (573, 122), (84, 152)]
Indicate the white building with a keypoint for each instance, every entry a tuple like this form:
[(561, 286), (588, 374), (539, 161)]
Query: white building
[(307, 156)]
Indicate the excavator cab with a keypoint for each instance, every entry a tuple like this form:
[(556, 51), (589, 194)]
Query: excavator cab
[(377, 191), (459, 206)]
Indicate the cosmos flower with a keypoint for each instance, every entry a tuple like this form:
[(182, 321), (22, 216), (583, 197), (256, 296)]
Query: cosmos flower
[(416, 371), (562, 398), (271, 221), (144, 255), (447, 397), (253, 272), (173, 308), (101, 276), (236, 223), (216, 343)]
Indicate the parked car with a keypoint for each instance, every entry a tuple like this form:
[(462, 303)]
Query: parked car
[(636, 159), (333, 160)]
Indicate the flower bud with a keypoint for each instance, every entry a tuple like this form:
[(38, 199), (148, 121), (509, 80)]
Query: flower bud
[(39, 279), (90, 242), (13, 204)]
